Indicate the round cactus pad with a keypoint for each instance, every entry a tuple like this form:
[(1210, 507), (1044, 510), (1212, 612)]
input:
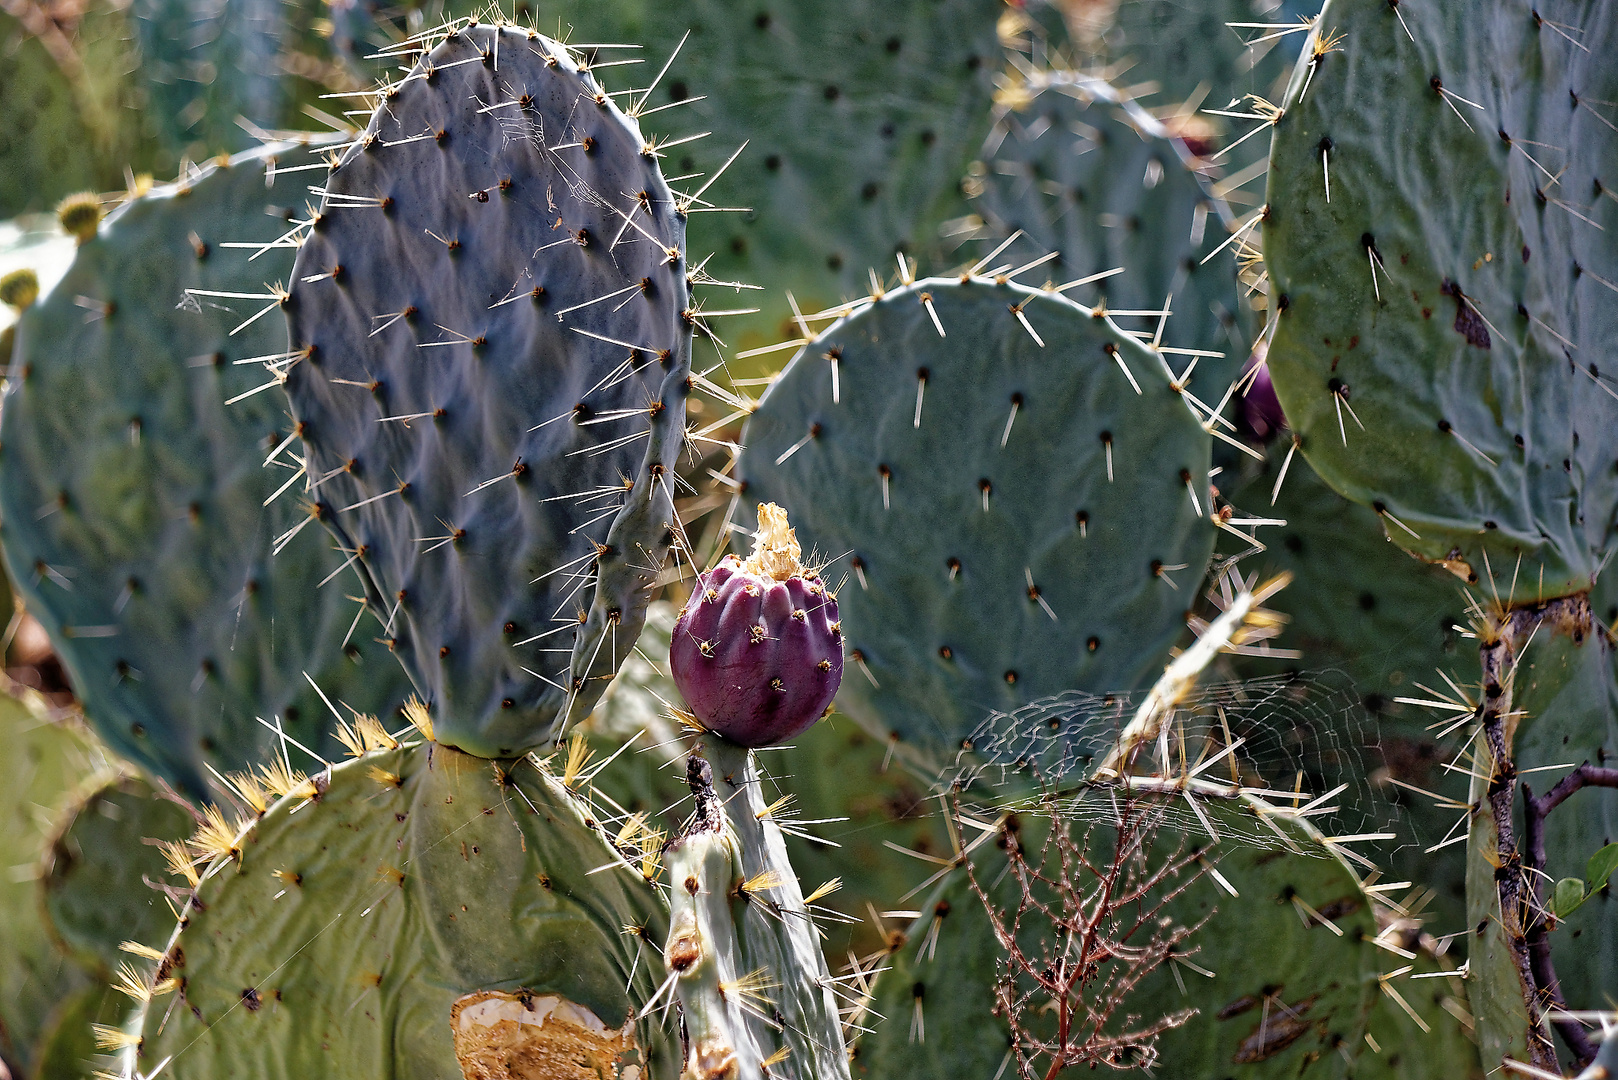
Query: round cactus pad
[(1010, 491), (415, 912)]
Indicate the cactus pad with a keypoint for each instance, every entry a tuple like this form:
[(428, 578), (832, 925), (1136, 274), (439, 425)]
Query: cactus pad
[(490, 379), (1286, 993), (413, 912), (1445, 308), (741, 936), (45, 758), (135, 523), (1012, 519), (1083, 169), (99, 868)]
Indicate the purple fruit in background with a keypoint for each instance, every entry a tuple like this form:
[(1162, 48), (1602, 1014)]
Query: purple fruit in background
[(757, 651), (1261, 409)]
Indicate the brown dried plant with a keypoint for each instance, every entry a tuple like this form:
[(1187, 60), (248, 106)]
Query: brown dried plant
[(1081, 920)]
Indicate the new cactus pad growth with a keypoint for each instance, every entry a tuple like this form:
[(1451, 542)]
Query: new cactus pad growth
[(1019, 485), (1439, 242), (489, 361), (757, 651), (142, 461)]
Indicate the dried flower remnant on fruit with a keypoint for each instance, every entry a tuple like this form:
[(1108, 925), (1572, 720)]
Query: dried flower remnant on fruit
[(776, 552)]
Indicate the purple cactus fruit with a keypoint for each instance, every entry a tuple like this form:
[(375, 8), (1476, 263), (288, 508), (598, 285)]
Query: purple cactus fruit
[(757, 651), (1261, 411)]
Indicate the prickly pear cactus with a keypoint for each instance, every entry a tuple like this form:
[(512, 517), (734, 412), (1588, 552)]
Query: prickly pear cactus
[(1082, 169), (1438, 239), (859, 120), (1290, 973), (45, 758), (489, 363), (753, 985), (140, 522), (103, 870), (913, 442), (412, 912)]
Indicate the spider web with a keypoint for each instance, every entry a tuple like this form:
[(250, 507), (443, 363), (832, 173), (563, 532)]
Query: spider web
[(1300, 740)]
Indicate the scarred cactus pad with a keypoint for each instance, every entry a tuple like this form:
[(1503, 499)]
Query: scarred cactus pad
[(757, 652)]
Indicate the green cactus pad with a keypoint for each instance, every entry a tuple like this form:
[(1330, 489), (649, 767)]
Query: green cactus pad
[(45, 758), (488, 318), (67, 1049), (133, 491), (859, 120), (1083, 169), (980, 575), (1287, 994), (1464, 391), (103, 869), (752, 979), (425, 912)]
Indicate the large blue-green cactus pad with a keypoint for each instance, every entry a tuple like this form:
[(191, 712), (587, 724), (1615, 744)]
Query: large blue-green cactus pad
[(134, 495), (424, 914), (489, 319), (1013, 519), (1287, 996), (1446, 311)]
